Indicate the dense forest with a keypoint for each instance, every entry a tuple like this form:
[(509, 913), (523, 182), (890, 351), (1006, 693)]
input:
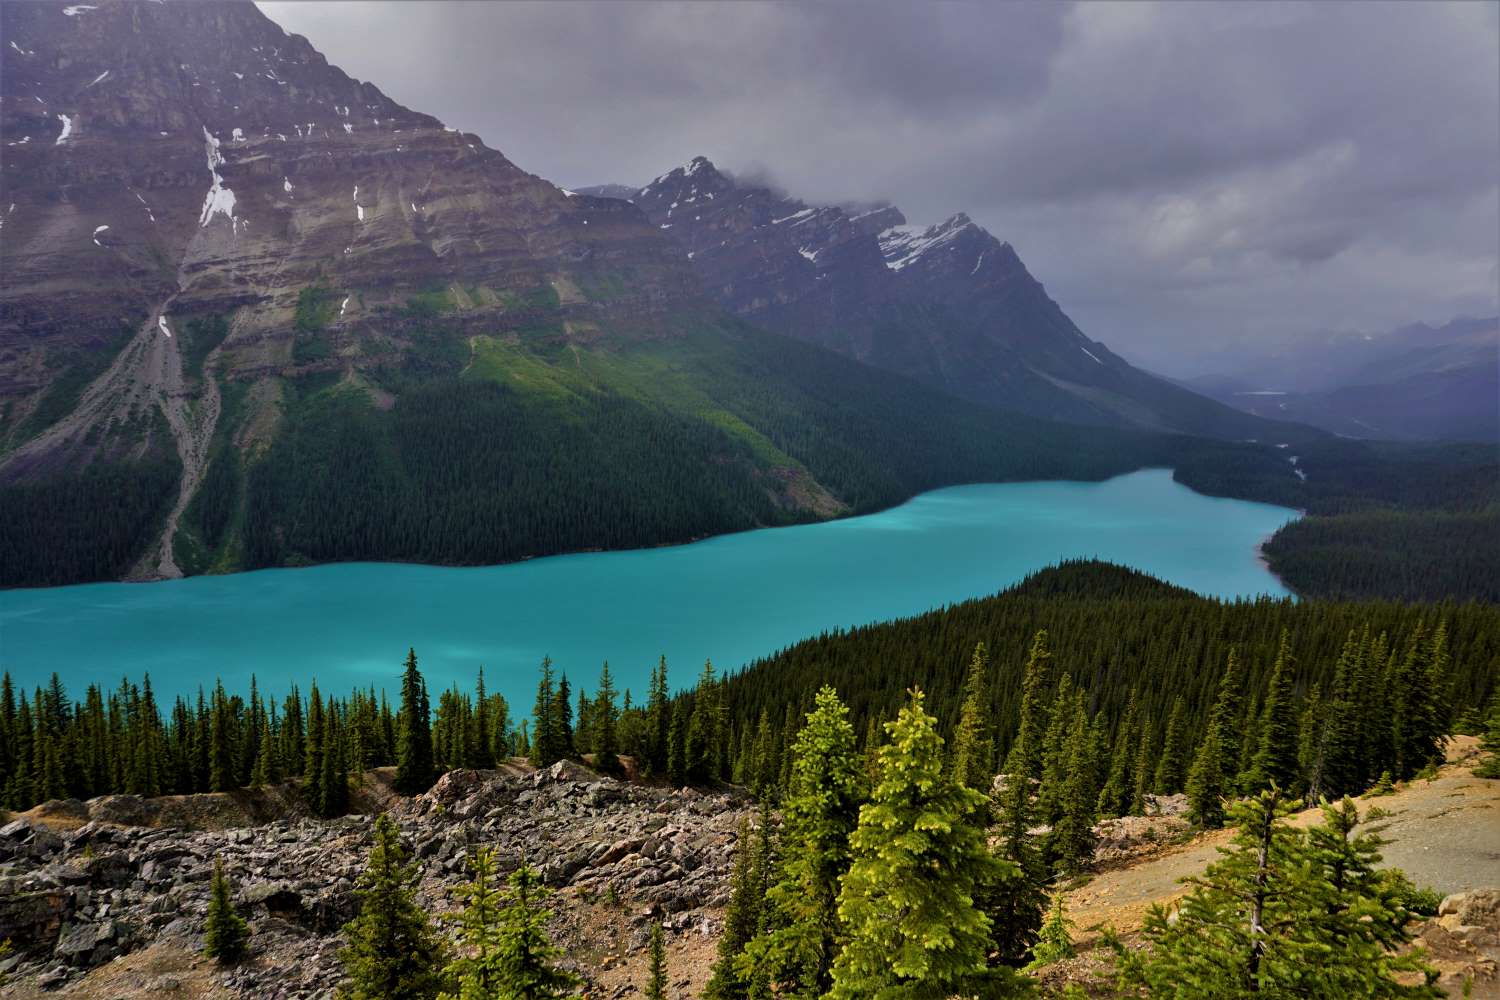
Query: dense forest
[(1385, 520)]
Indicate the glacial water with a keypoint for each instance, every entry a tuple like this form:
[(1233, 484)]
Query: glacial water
[(731, 598)]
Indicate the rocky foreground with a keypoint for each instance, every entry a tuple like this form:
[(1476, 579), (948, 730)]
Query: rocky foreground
[(619, 854)]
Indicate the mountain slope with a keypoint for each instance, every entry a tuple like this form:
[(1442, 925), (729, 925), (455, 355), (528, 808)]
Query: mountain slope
[(256, 313), (948, 304)]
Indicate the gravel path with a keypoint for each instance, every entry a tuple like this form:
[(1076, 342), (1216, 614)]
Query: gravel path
[(1444, 833)]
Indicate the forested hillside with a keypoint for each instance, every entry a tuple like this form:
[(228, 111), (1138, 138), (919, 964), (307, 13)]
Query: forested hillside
[(1413, 522)]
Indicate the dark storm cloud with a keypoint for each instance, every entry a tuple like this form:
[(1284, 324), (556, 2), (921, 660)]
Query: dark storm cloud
[(1177, 174)]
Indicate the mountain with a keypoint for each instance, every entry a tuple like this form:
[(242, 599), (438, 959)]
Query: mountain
[(949, 304), (1414, 383), (256, 313)]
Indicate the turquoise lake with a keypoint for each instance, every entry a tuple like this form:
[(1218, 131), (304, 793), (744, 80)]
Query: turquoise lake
[(731, 598)]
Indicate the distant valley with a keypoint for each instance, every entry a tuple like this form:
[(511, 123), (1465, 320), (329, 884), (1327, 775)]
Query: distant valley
[(1413, 383)]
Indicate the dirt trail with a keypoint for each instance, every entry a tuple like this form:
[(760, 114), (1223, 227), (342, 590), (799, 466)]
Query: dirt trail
[(1444, 833)]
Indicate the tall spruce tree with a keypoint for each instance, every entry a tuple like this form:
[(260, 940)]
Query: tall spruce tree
[(1275, 759), (392, 952), (745, 917), (606, 725), (312, 760), (973, 751), (907, 901), (820, 812), (546, 743), (414, 757)]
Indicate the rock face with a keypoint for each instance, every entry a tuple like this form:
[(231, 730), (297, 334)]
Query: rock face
[(164, 163), (948, 304), (620, 856)]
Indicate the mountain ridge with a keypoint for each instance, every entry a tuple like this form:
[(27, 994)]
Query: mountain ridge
[(949, 304)]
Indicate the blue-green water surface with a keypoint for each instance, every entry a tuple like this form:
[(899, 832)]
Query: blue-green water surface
[(730, 598)]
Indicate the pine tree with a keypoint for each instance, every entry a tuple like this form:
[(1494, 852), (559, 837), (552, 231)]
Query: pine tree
[(1070, 843), (312, 760), (745, 915), (677, 747), (476, 970), (524, 954), (973, 749), (659, 721), (1216, 763), (907, 900), (1281, 914), (1171, 769), (221, 747), (333, 786), (1119, 788), (705, 731), (656, 983), (265, 772), (546, 745), (1275, 759), (1055, 942), (414, 757), (392, 951), (606, 721), (562, 718), (820, 812), (1026, 752), (224, 930)]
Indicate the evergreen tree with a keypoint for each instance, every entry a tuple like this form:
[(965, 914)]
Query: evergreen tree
[(221, 744), (1070, 843), (392, 951), (1026, 752), (524, 955), (659, 721), (265, 772), (562, 718), (1055, 942), (224, 930), (705, 731), (1282, 914), (656, 983), (1275, 760), (333, 787), (414, 757), (907, 900), (745, 916), (820, 812), (312, 760), (476, 969), (973, 750), (1171, 768), (546, 742), (1215, 765), (606, 721), (677, 747), (1119, 788)]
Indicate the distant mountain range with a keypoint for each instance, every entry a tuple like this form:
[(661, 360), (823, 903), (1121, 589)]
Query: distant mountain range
[(949, 304), (1414, 383)]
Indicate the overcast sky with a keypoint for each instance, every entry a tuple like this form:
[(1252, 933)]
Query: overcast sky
[(1177, 175)]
